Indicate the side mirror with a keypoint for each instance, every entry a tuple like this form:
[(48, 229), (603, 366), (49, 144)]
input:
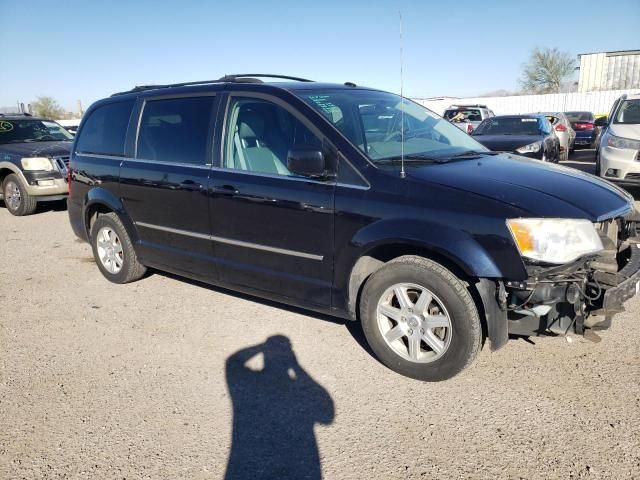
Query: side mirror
[(307, 161), (601, 121)]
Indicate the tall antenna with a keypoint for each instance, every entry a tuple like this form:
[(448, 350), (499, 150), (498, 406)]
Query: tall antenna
[(402, 172)]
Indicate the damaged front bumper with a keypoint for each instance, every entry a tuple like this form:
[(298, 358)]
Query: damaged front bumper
[(578, 297)]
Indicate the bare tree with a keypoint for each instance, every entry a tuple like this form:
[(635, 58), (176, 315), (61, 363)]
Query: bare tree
[(547, 70), (47, 107)]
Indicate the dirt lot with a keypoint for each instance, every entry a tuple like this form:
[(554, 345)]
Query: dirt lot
[(141, 381)]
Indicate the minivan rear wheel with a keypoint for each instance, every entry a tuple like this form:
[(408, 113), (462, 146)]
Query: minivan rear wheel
[(113, 250), (420, 320)]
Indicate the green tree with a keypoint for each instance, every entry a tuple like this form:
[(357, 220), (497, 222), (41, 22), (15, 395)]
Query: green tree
[(547, 70), (47, 107)]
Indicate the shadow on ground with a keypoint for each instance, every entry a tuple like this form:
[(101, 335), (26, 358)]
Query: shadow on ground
[(276, 404), (354, 328), (57, 206)]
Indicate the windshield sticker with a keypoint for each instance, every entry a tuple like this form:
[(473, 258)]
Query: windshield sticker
[(529, 119), (330, 110), (5, 126)]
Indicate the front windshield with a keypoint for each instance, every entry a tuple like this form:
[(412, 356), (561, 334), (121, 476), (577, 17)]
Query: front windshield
[(629, 112), (30, 130), (508, 126), (372, 121)]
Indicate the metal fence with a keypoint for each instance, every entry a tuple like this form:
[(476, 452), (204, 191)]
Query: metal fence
[(596, 102)]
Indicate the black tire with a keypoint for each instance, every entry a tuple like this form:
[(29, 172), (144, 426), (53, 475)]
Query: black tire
[(466, 331), (26, 204), (131, 268)]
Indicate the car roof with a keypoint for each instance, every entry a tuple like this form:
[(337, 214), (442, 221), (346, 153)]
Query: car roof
[(633, 96), (251, 82), (526, 115), (18, 116)]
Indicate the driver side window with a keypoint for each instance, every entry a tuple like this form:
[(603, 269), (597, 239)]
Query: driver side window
[(260, 134)]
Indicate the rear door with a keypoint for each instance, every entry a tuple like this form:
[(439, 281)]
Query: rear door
[(272, 230), (164, 188)]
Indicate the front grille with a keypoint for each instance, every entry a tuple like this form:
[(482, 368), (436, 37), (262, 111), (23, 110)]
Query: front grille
[(632, 176), (62, 164)]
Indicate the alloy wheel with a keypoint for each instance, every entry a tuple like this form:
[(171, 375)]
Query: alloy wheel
[(414, 322), (12, 195), (110, 250)]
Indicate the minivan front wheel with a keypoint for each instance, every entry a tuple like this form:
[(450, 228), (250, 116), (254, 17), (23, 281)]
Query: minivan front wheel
[(113, 250), (420, 320)]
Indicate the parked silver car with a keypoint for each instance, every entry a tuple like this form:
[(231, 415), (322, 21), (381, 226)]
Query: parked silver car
[(566, 134)]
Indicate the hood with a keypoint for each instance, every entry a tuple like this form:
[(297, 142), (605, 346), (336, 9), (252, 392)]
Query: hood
[(631, 131), (37, 149), (506, 143), (537, 189)]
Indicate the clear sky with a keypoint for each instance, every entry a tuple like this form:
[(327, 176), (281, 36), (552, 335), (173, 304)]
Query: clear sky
[(89, 49)]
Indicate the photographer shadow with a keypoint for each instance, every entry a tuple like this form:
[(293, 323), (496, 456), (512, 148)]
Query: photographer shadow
[(275, 409)]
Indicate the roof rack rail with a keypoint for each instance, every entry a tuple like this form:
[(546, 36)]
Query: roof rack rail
[(239, 78), (477, 105), (248, 77), (16, 114)]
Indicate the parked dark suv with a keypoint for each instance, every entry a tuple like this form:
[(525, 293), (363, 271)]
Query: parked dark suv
[(353, 202), (34, 154)]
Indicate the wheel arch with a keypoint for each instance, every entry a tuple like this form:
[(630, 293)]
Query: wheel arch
[(482, 290), (7, 168), (378, 255), (99, 201)]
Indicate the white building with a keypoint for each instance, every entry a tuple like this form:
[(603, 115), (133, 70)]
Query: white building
[(609, 70)]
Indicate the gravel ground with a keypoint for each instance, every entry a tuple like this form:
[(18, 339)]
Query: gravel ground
[(141, 381)]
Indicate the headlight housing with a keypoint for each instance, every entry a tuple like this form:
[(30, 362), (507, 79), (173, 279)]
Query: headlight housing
[(37, 163), (625, 143), (554, 240), (531, 148)]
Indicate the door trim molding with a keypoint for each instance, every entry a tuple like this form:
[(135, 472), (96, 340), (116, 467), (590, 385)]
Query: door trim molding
[(229, 241)]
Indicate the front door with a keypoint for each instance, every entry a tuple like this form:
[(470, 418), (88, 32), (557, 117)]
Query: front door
[(272, 230), (164, 188)]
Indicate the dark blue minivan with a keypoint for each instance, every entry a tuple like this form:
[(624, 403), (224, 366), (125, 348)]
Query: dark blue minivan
[(353, 202)]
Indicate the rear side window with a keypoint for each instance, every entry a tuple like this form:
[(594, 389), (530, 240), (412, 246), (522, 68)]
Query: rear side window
[(105, 129), (175, 130)]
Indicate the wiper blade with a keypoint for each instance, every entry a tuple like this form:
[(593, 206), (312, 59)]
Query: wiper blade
[(409, 159), (471, 154)]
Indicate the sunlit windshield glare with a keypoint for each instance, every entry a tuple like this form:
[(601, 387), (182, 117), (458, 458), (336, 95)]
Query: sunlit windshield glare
[(372, 121), (18, 131)]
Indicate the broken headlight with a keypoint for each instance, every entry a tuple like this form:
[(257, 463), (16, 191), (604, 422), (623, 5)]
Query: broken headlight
[(554, 240)]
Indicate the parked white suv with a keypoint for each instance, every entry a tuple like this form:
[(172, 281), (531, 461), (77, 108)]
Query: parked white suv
[(618, 154)]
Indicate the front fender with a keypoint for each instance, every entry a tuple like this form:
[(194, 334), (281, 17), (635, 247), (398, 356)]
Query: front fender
[(475, 255)]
